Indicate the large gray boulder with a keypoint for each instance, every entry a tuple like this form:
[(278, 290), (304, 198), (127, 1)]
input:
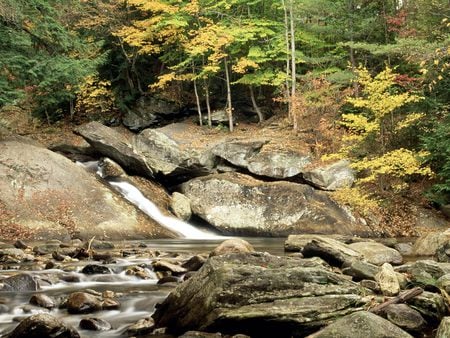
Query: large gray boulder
[(427, 244), (45, 195), (278, 164), (331, 177), (41, 326), (377, 253), (259, 295), (117, 146), (238, 152), (361, 325), (239, 204)]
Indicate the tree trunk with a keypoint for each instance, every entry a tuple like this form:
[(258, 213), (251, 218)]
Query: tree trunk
[(208, 106), (199, 108), (288, 67), (229, 108), (293, 69), (255, 105), (71, 109)]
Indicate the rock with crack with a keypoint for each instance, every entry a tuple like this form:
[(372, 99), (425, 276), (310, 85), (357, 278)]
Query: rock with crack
[(239, 204), (331, 177), (260, 295)]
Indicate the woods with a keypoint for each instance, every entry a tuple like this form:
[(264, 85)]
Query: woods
[(367, 81)]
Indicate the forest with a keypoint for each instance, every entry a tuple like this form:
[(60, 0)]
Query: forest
[(365, 80)]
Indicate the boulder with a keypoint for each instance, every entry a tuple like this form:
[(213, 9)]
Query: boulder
[(377, 253), (95, 324), (388, 281), (241, 205), (94, 269), (180, 206), (21, 282), (333, 251), (443, 253), (259, 295), (444, 283), (426, 245), (117, 146), (45, 195), (43, 325), (425, 272), (360, 269), (42, 300), (163, 265), (232, 245), (331, 177), (430, 305), (82, 302), (444, 328), (278, 164), (361, 324), (238, 152), (405, 317)]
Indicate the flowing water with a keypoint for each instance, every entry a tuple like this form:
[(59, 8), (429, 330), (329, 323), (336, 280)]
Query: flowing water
[(137, 296)]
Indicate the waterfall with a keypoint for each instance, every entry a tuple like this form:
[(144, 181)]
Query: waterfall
[(135, 196)]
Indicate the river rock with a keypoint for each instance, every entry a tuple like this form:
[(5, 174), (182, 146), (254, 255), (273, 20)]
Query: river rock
[(327, 248), (377, 253), (43, 325), (425, 272), (94, 269), (443, 253), (331, 177), (19, 244), (444, 283), (388, 281), (260, 295), (95, 324), (20, 282), (426, 245), (404, 317), (241, 205), (430, 305), (11, 255), (198, 334), (194, 263), (180, 206), (162, 265), (82, 302), (444, 328), (232, 245), (46, 195), (108, 168), (361, 324), (42, 300), (141, 327), (238, 152), (360, 269)]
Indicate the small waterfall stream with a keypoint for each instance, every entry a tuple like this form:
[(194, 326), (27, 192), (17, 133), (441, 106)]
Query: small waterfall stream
[(135, 196)]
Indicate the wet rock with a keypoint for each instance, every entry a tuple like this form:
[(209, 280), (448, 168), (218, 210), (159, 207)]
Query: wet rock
[(331, 177), (259, 295), (11, 255), (241, 205), (404, 317), (42, 300), (444, 328), (180, 206), (94, 269), (198, 334), (430, 305), (140, 272), (20, 282), (233, 245), (333, 251), (109, 169), (43, 325), (360, 269), (141, 327), (47, 248), (377, 253), (82, 302), (162, 265), (194, 263), (110, 304), (387, 279), (99, 245), (168, 279), (95, 324), (361, 325), (19, 244)]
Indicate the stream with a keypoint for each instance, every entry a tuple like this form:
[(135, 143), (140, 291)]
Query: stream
[(137, 296)]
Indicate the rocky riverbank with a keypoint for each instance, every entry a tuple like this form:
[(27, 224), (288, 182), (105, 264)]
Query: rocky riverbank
[(324, 286)]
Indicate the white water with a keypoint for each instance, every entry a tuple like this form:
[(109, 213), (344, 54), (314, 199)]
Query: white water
[(186, 230), (132, 194)]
